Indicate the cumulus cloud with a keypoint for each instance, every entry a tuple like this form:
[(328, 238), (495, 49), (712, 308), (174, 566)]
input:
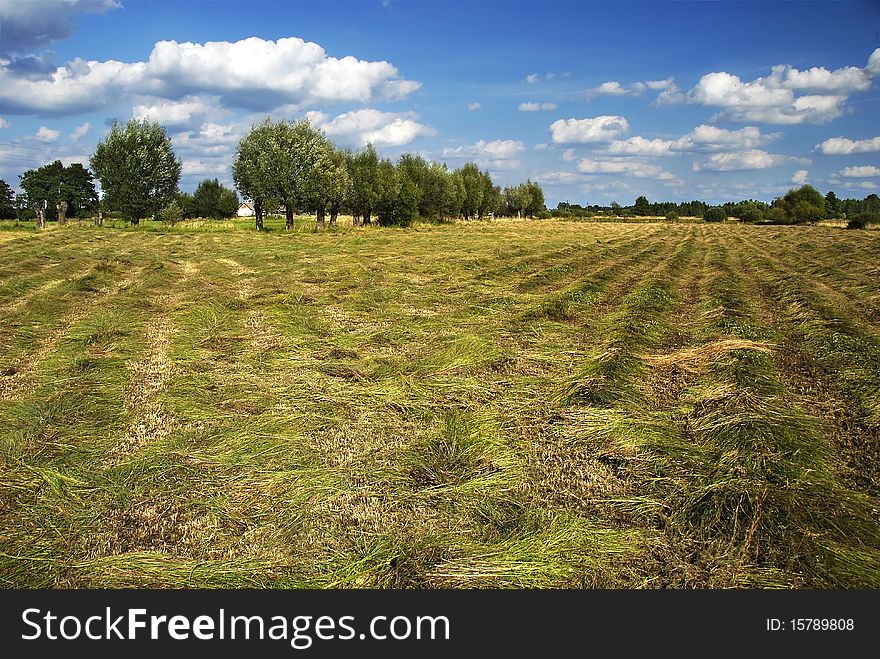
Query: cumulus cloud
[(873, 66), (47, 135), (777, 98), (635, 168), (614, 88), (702, 138), (360, 127), (80, 132), (534, 107), (568, 155), (752, 159), (861, 171), (173, 113), (29, 26), (595, 129), (500, 149), (474, 106), (843, 146), (532, 78), (3, 123), (799, 177), (559, 178), (252, 73)]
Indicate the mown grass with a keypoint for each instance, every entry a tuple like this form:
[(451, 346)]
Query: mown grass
[(499, 404)]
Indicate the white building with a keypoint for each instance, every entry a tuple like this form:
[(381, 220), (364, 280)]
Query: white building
[(246, 210)]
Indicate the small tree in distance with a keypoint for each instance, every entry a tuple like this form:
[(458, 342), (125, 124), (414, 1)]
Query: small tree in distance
[(715, 214)]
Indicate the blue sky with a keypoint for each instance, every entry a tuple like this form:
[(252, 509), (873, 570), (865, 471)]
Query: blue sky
[(598, 101)]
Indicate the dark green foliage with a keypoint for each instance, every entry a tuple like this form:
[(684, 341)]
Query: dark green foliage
[(715, 214), (55, 183), (641, 207), (7, 201), (214, 200), (137, 168), (802, 205)]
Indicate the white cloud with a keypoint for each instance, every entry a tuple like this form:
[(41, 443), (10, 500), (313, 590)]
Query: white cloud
[(596, 129), (773, 99), (844, 146), (29, 25), (541, 146), (752, 159), (496, 150), (200, 168), (174, 113), (559, 178), (80, 132), (3, 123), (702, 138), (47, 135), (861, 185), (534, 107), (614, 88), (873, 66), (861, 171), (360, 127), (568, 155), (252, 73), (532, 78), (611, 88), (629, 167), (474, 106), (799, 177), (847, 79)]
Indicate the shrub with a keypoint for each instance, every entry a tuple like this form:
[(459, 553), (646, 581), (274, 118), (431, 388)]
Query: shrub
[(715, 214), (862, 220), (672, 216)]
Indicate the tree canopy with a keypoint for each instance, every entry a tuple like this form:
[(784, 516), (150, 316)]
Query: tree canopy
[(55, 183), (137, 168)]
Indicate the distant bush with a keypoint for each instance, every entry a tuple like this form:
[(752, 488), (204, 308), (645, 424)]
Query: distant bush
[(777, 215), (751, 215), (715, 214), (672, 216), (862, 220), (543, 215)]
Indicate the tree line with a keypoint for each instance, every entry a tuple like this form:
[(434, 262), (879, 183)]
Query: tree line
[(279, 166), (797, 206)]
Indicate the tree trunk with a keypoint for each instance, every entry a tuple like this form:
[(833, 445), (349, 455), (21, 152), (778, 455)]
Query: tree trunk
[(258, 215), (319, 222), (99, 219), (355, 218), (367, 217), (135, 221), (288, 212), (334, 212)]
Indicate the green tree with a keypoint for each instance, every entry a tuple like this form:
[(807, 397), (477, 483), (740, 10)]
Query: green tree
[(55, 183), (137, 168), (832, 205), (7, 201), (213, 200), (715, 214), (329, 185), (535, 202), (364, 173), (472, 179), (387, 186), (250, 170), (641, 207), (803, 204)]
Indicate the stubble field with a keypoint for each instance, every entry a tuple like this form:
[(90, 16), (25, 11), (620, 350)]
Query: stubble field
[(496, 404)]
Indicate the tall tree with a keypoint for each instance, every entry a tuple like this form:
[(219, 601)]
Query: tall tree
[(56, 183), (364, 172), (535, 203), (641, 207), (7, 201), (472, 179), (137, 168), (387, 186), (832, 204), (250, 170), (803, 204), (329, 185)]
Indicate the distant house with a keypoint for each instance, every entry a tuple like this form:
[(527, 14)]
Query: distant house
[(246, 210)]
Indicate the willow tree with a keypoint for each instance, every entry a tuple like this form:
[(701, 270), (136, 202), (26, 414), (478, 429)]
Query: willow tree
[(137, 168)]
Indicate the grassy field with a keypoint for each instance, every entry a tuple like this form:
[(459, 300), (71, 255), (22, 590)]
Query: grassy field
[(497, 404)]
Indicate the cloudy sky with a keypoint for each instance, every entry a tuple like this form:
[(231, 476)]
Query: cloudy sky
[(599, 102)]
